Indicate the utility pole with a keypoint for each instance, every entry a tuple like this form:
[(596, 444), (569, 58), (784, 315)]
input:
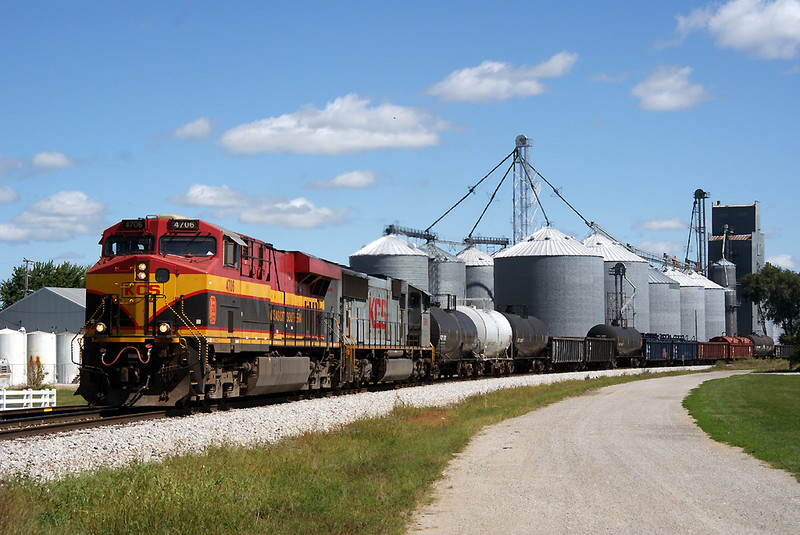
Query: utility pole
[(25, 293)]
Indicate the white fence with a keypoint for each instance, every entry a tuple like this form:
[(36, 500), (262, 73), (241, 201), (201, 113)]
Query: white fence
[(24, 399)]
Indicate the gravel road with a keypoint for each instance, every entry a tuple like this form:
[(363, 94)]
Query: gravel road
[(625, 459)]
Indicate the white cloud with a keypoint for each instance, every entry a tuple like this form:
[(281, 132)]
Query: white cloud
[(51, 161), (348, 125), (767, 30), (607, 78), (8, 194), (57, 217), (350, 180), (492, 80), (659, 247), (198, 129), (259, 209), (662, 224), (669, 89), (785, 261), (211, 196)]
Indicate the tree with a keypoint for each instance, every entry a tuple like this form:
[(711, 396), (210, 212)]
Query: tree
[(41, 274), (778, 292)]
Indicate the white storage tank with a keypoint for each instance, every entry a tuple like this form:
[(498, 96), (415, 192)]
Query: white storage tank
[(446, 273), (553, 277), (68, 348), (635, 289), (42, 354), (479, 275), (14, 347), (393, 257), (715, 305), (693, 304), (665, 303)]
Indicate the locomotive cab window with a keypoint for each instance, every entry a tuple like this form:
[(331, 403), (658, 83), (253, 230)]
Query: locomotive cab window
[(188, 245), (125, 245), (230, 252)]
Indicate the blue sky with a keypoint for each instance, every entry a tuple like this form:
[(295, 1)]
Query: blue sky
[(312, 125)]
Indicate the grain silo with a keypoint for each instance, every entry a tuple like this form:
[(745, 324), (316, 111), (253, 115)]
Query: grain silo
[(41, 357), (634, 287), (693, 304), (665, 303), (551, 276), (715, 305), (723, 272), (479, 275), (68, 353), (446, 273), (14, 347), (393, 257)]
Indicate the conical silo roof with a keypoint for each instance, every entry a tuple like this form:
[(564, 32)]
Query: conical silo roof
[(472, 256), (389, 245), (681, 277), (610, 250), (547, 242), (438, 254)]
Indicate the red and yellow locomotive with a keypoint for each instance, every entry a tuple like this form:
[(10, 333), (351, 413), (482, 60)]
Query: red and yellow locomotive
[(180, 310)]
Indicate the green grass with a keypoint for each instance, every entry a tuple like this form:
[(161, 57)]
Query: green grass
[(758, 412), (364, 479), (66, 396)]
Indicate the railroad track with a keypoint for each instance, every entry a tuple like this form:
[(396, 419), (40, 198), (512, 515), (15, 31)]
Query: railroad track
[(41, 421)]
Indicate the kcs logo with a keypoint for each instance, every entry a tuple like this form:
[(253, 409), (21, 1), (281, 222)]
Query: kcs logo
[(140, 290)]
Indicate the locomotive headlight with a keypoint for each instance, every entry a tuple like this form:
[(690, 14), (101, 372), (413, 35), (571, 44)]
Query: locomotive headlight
[(100, 328), (142, 270), (164, 328)]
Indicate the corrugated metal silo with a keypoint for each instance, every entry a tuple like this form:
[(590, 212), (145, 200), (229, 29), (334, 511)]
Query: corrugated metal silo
[(665, 303), (635, 288), (479, 275), (553, 277), (715, 305), (446, 273), (723, 272), (393, 257), (14, 347), (693, 304)]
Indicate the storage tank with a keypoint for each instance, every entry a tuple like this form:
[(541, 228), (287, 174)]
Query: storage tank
[(42, 355), (665, 303), (553, 277), (67, 348), (393, 257), (635, 287), (453, 334), (446, 273), (479, 275), (529, 335), (715, 305), (14, 347), (494, 331), (693, 304)]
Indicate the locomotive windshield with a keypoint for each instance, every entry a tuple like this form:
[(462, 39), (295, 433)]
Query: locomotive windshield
[(188, 245), (125, 245)]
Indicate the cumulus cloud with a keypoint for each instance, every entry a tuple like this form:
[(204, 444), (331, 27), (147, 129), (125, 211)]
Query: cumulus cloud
[(8, 194), (348, 125), (57, 217), (211, 196), (658, 247), (609, 79), (51, 161), (761, 28), (492, 80), (662, 224), (669, 89), (786, 261), (259, 209), (350, 180), (198, 129)]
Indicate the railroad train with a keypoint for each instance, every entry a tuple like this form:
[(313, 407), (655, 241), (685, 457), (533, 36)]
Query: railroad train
[(181, 311)]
